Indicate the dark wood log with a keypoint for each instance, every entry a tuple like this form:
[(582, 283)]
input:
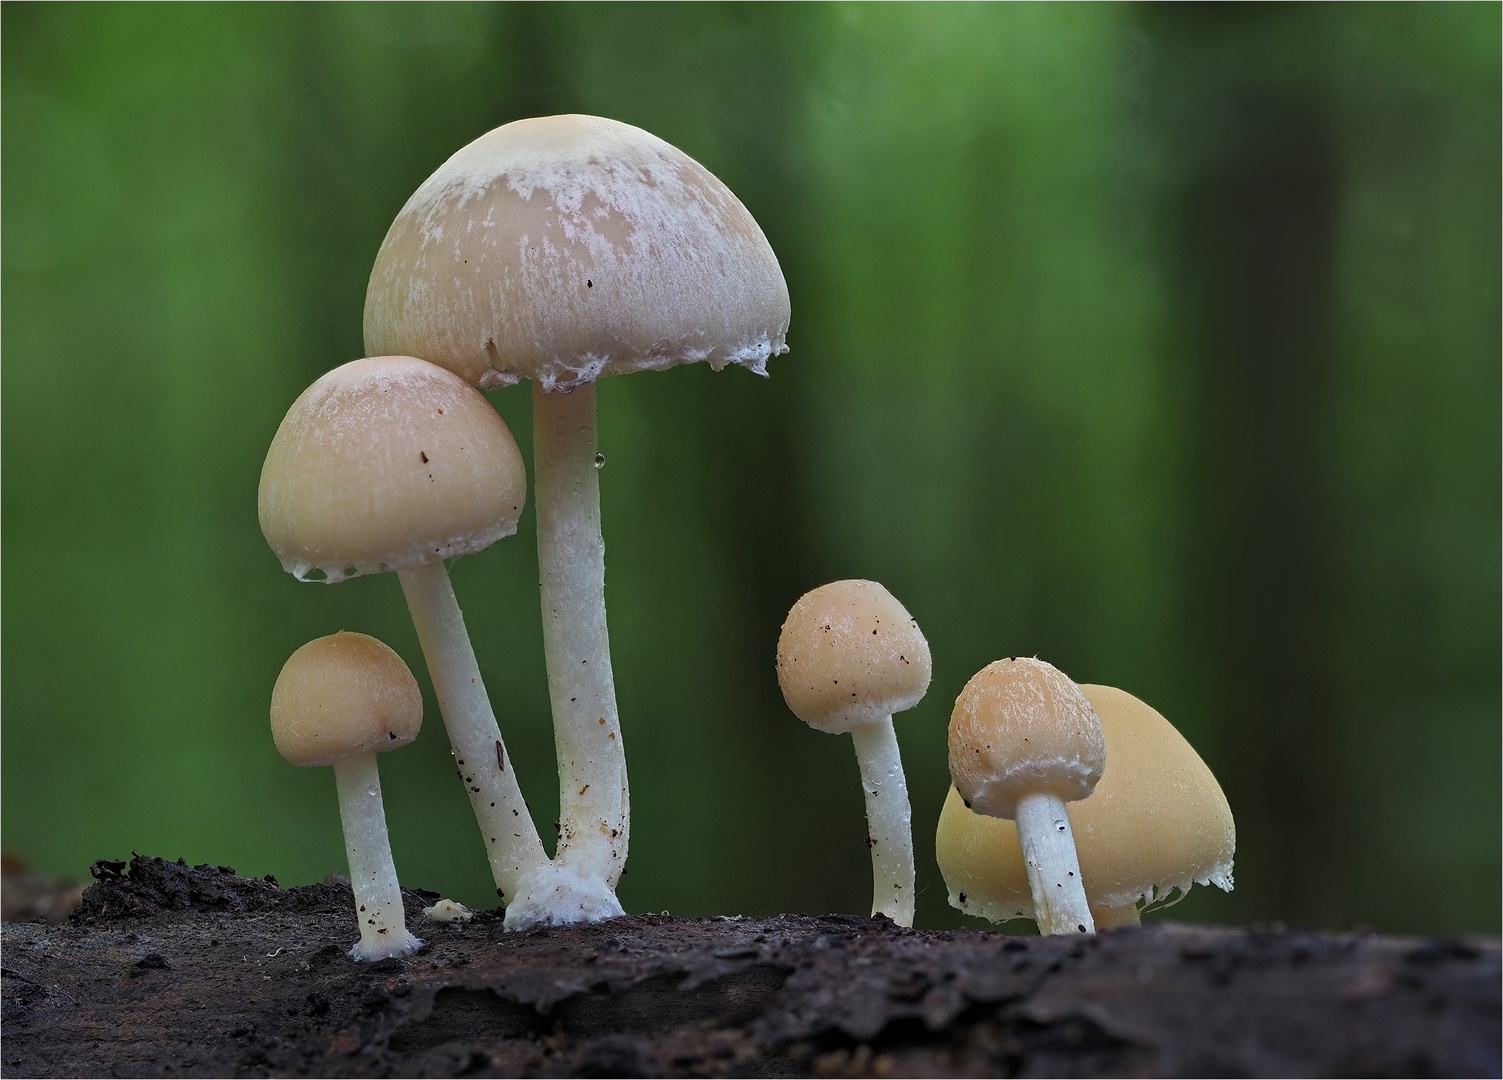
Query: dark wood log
[(174, 970)]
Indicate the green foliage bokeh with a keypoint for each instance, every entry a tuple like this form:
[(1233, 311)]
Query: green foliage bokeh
[(1162, 343)]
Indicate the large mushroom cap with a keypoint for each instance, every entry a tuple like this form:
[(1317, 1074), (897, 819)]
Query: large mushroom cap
[(343, 695), (387, 463), (1157, 822), (849, 655), (1019, 726), (564, 248)]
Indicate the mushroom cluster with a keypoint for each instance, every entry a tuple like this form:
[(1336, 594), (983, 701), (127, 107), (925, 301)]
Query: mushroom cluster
[(559, 249), (564, 249), (1156, 823)]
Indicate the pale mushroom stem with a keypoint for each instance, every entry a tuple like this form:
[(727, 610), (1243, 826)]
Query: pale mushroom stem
[(1054, 868), (373, 875), (1110, 918), (1059, 899), (594, 813), (490, 779), (889, 820)]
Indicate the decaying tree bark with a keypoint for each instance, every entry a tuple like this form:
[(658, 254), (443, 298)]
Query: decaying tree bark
[(194, 971)]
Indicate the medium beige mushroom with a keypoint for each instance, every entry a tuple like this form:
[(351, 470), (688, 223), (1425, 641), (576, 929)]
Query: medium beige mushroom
[(1023, 742), (340, 701), (562, 249), (393, 463), (849, 657), (1156, 824)]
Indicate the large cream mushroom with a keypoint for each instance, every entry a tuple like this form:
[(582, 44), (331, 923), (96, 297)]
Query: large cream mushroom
[(340, 701), (1156, 824), (393, 463), (1023, 742), (563, 249), (850, 656)]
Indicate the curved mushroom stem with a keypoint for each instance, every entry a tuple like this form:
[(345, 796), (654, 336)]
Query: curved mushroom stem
[(490, 780), (889, 820), (1059, 899), (373, 876), (1110, 918), (594, 813)]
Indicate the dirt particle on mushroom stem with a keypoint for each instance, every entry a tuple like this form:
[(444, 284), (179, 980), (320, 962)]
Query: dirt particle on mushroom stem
[(602, 719), (424, 455), (584, 789), (500, 758)]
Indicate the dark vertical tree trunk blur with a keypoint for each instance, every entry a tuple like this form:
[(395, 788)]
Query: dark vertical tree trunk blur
[(1257, 223)]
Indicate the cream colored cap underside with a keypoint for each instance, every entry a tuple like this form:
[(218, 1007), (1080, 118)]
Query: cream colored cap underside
[(387, 463), (343, 695), (849, 655), (1020, 726), (1157, 822), (566, 248)]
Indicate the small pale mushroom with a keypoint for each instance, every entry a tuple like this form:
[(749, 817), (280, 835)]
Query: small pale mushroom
[(1156, 824), (562, 249), (849, 657), (340, 701), (393, 463), (1024, 741)]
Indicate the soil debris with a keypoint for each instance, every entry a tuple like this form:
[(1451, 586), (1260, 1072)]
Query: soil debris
[(174, 970)]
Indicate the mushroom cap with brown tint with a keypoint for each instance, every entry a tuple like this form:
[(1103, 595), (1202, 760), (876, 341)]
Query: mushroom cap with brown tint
[(849, 655), (387, 463), (566, 248), (1021, 726), (343, 695), (1157, 822)]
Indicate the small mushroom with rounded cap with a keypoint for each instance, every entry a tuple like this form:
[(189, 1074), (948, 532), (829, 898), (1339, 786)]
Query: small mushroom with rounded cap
[(1156, 824), (340, 701), (849, 657), (393, 463), (562, 249), (1024, 741)]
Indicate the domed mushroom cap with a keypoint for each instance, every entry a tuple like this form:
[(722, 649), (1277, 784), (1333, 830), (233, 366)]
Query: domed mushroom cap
[(1157, 821), (1020, 726), (386, 463), (340, 696), (565, 248), (849, 655)]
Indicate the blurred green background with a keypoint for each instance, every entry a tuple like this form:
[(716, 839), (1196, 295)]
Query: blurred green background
[(1161, 342)]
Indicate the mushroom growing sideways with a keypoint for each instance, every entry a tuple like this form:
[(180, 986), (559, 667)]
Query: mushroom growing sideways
[(562, 249), (340, 701), (849, 657), (1156, 824), (393, 463), (1023, 742)]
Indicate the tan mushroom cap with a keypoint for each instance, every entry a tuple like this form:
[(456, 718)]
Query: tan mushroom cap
[(1021, 726), (1157, 821), (340, 696), (566, 248), (849, 655), (387, 463)]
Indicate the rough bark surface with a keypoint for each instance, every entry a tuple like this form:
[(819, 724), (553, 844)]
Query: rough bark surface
[(174, 970)]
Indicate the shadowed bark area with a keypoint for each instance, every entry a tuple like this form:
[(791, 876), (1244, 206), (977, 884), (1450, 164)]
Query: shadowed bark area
[(194, 971)]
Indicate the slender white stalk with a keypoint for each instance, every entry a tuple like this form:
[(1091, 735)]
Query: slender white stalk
[(889, 820), (373, 876), (1109, 918), (490, 779), (594, 813), (1059, 899)]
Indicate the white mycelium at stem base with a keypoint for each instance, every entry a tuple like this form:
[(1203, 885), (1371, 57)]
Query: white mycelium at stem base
[(373, 875), (593, 805), (1023, 742), (341, 700), (1156, 824), (563, 249), (850, 656)]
